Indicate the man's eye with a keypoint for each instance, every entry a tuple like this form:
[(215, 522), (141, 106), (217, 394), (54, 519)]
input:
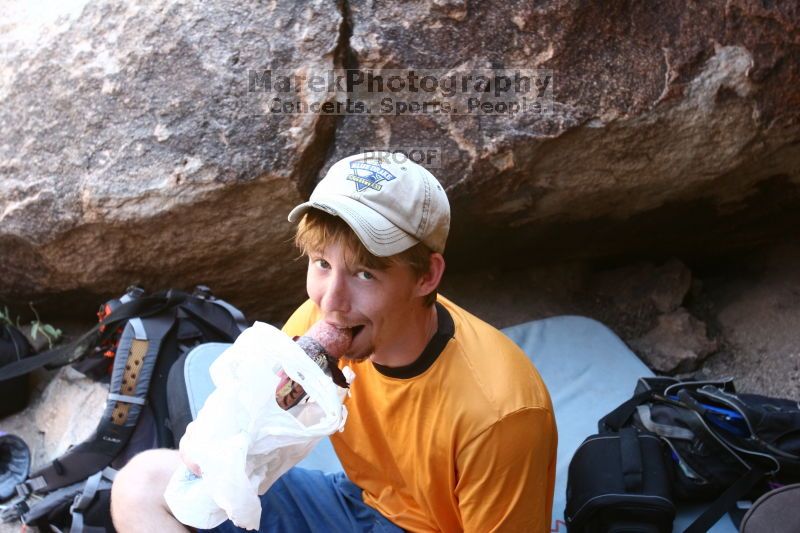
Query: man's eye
[(365, 275), (322, 263)]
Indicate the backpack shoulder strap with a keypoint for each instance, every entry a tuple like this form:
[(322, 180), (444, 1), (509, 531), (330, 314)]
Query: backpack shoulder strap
[(238, 316), (59, 356), (616, 419), (726, 501), (97, 482), (130, 381), (218, 315)]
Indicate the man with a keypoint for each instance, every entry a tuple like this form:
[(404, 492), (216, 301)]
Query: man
[(449, 428)]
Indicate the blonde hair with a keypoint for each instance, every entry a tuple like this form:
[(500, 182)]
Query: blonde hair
[(318, 229)]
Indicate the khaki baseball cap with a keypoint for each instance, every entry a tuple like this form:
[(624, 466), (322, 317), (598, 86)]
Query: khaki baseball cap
[(390, 202)]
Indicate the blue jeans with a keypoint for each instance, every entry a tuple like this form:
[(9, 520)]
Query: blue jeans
[(312, 501)]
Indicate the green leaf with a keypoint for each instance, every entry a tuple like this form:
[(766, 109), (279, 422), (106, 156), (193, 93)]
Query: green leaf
[(35, 314), (50, 331)]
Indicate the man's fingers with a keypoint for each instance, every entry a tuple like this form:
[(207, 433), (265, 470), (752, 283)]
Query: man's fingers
[(193, 467)]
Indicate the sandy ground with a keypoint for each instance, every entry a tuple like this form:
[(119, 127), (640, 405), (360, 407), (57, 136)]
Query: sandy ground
[(756, 313), (751, 305)]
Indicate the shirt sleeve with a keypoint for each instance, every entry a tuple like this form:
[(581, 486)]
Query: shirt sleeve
[(301, 320), (506, 475)]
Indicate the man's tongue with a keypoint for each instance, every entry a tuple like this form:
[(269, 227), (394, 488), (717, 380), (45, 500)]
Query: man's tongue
[(336, 341)]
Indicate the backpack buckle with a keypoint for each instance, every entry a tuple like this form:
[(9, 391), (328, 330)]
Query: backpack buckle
[(14, 509), (203, 292)]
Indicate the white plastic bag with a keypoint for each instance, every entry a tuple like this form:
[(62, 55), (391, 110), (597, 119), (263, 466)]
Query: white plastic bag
[(242, 440)]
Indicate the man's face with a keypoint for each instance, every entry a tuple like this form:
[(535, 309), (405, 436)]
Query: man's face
[(375, 303)]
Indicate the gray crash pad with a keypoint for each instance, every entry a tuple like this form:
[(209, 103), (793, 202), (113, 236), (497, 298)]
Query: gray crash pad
[(588, 371)]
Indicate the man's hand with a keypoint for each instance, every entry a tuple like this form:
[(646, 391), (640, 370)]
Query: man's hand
[(193, 467)]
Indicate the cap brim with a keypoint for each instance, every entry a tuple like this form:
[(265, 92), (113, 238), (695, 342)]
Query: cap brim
[(377, 233)]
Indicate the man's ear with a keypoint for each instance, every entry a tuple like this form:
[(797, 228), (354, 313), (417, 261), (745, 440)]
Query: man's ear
[(430, 280)]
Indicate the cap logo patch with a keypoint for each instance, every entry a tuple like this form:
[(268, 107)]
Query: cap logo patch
[(368, 175)]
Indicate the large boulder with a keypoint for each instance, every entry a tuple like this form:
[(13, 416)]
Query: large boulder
[(678, 343), (132, 149), (674, 125), (66, 409)]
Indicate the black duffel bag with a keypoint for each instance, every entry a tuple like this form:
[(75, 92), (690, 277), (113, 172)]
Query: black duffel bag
[(618, 482), (722, 447)]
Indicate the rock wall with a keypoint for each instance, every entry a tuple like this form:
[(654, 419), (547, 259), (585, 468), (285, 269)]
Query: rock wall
[(132, 151)]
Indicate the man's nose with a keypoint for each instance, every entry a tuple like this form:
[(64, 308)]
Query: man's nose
[(336, 297)]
